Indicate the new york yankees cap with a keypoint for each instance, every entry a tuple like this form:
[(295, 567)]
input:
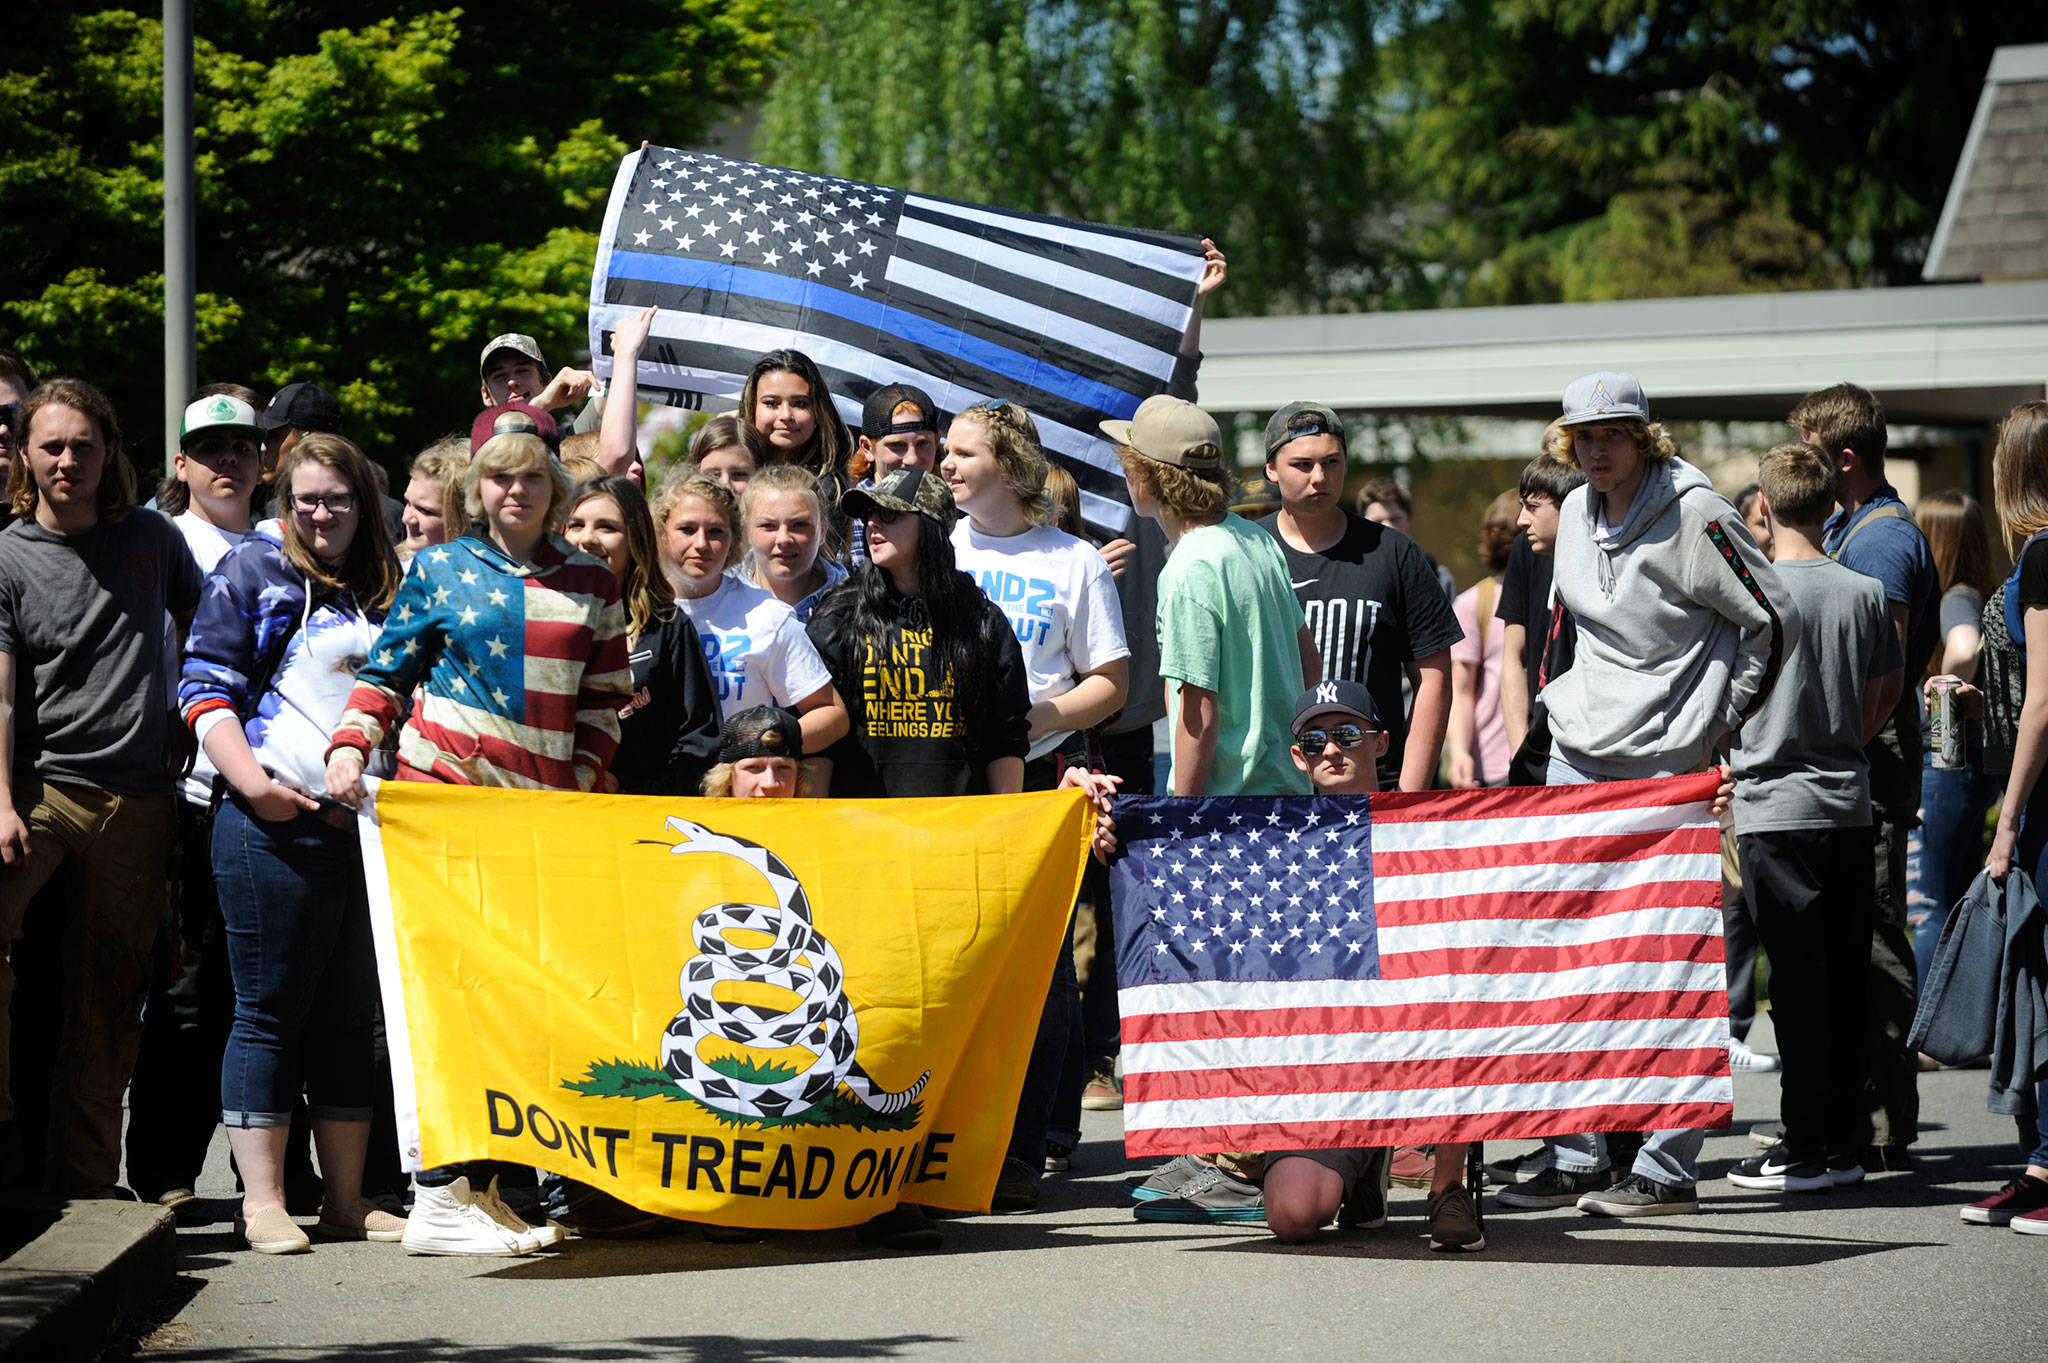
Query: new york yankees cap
[(1348, 698)]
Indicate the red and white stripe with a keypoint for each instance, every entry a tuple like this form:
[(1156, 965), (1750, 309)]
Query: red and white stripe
[(1552, 962)]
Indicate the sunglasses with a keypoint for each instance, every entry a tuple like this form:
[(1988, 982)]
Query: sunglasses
[(1346, 736), (885, 515), (9, 412)]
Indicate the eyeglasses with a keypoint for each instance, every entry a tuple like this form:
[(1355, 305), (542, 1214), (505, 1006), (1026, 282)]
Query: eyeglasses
[(337, 503), (884, 515), (1345, 736)]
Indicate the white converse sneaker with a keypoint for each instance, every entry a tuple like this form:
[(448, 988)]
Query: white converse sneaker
[(453, 1220), (545, 1236)]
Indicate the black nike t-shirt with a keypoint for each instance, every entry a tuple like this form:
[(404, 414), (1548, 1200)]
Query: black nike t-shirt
[(1372, 605), (1525, 601)]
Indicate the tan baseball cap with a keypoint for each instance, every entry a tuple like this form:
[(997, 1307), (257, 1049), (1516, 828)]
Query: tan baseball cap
[(1173, 432)]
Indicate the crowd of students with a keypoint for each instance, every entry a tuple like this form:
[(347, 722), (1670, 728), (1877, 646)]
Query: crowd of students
[(915, 610)]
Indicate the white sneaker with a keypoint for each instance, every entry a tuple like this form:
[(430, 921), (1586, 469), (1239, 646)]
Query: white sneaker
[(453, 1220), (545, 1236), (1741, 1057)]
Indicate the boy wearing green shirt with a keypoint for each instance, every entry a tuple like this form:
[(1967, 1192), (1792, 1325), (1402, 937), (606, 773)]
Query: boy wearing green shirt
[(1232, 645)]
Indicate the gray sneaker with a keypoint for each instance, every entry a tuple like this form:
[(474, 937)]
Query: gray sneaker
[(1637, 1195), (1553, 1188), (1164, 1181), (1213, 1196)]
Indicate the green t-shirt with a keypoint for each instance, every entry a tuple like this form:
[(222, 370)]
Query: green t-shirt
[(1228, 623)]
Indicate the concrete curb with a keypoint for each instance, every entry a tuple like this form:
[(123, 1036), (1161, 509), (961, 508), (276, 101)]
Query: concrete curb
[(69, 1291)]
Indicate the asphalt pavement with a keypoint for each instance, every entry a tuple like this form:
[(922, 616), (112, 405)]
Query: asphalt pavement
[(1884, 1270)]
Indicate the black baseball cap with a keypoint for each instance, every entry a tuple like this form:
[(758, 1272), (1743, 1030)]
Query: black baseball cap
[(878, 413), (1346, 698), (763, 731), (307, 406)]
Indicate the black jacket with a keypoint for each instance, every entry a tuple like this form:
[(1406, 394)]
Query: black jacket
[(669, 738)]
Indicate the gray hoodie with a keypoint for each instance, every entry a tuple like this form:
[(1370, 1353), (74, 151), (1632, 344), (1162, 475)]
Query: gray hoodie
[(1682, 627)]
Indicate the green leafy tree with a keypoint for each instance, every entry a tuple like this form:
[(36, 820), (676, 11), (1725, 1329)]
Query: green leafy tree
[(1251, 121), (377, 195), (1590, 149)]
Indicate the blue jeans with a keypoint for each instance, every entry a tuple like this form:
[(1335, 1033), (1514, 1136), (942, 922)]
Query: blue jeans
[(305, 973), (1670, 1156), (1952, 807)]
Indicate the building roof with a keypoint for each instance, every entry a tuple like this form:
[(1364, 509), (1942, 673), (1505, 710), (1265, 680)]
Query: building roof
[(1935, 354), (1994, 224)]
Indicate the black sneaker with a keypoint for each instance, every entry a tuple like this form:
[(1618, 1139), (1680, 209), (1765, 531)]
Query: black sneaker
[(1887, 1159), (1844, 1170), (1776, 1171), (1766, 1134), (1503, 1172), (904, 1226), (1553, 1188), (1016, 1187), (1640, 1196), (1059, 1157)]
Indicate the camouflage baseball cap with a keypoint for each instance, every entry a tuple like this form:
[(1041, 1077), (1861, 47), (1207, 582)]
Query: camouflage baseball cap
[(511, 340), (905, 490)]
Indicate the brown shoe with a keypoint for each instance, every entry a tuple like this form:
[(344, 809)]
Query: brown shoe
[(1413, 1167), (1454, 1222), (1103, 1093)]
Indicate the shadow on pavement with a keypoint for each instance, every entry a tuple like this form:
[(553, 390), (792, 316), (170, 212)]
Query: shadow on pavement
[(1588, 1241), (682, 1348), (688, 1254)]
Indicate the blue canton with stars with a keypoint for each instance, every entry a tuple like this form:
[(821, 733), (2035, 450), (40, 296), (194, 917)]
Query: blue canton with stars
[(460, 587), (1244, 889)]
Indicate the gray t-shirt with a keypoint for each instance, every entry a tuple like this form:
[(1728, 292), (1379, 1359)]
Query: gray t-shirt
[(83, 618), (1799, 760)]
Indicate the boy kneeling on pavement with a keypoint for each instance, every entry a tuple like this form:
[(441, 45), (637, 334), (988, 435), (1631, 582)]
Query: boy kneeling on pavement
[(1337, 741)]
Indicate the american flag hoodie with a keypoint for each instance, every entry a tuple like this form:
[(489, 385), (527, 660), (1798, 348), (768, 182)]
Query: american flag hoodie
[(517, 671)]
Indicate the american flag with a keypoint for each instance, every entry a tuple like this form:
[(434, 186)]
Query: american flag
[(1077, 322), (1309, 973)]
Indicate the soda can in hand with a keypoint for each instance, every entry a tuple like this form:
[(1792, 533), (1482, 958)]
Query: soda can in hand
[(1945, 723)]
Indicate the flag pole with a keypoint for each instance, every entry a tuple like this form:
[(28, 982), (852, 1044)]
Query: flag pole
[(181, 349)]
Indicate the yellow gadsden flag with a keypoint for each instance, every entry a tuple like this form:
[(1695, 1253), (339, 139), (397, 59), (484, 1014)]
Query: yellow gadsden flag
[(748, 1012)]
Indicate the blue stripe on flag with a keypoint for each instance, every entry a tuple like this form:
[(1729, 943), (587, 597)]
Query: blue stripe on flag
[(1026, 369)]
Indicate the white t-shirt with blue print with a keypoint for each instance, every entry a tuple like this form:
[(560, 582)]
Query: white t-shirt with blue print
[(1057, 592), (757, 648)]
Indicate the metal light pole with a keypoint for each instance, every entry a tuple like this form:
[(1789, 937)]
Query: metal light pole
[(181, 346)]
